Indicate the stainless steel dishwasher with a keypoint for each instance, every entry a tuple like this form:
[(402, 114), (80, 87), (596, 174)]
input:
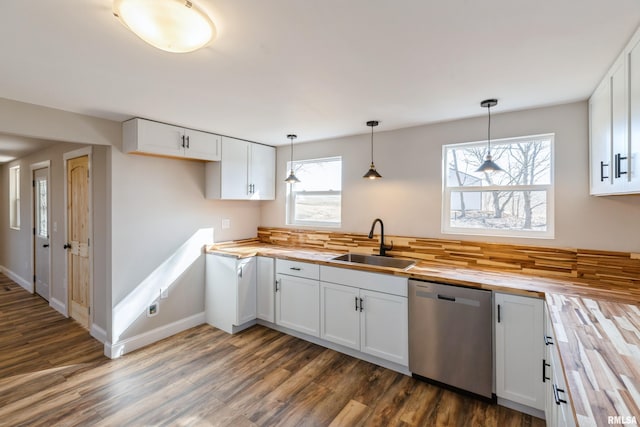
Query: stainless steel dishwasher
[(450, 336)]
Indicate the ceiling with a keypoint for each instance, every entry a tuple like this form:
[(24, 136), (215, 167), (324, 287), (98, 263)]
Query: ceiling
[(320, 69)]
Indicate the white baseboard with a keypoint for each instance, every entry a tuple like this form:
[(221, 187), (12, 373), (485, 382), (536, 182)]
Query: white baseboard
[(521, 408), (98, 333), (113, 351), (19, 280), (337, 347), (59, 306)]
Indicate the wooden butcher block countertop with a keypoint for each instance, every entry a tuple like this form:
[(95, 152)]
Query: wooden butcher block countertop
[(597, 327)]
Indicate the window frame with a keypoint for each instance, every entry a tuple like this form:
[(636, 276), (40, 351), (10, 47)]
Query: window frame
[(291, 196), (14, 197), (445, 221)]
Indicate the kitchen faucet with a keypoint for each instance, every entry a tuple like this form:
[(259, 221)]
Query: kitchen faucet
[(383, 248)]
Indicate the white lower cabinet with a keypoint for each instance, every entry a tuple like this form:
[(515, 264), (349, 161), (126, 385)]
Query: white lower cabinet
[(298, 297), (266, 289), (230, 291), (519, 350), (370, 321), (558, 408)]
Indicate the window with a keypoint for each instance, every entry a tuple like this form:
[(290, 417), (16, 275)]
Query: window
[(42, 226), (517, 202), (14, 197), (317, 199)]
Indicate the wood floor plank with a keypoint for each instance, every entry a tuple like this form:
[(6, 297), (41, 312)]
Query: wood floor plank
[(53, 373)]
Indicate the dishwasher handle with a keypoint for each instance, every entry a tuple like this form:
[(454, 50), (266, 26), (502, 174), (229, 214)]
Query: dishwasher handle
[(446, 298)]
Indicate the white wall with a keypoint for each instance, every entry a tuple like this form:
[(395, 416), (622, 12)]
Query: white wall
[(409, 196)]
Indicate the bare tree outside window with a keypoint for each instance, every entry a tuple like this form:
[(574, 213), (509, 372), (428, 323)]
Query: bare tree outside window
[(517, 201)]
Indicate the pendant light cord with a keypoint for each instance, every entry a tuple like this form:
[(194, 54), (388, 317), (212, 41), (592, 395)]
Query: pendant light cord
[(489, 132), (371, 144)]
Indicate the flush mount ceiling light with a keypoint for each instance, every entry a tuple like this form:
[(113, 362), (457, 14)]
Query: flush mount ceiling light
[(171, 25), (292, 179), (489, 165), (372, 173)]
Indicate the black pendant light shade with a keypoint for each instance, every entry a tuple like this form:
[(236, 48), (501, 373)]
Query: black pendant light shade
[(292, 179), (372, 173), (489, 165)]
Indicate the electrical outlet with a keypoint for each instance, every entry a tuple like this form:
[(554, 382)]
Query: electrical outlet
[(164, 293), (226, 224), (153, 309)]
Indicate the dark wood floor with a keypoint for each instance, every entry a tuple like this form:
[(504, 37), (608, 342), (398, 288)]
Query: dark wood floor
[(53, 373)]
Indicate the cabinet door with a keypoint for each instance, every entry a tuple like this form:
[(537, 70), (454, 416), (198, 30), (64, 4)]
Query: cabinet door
[(384, 326), (340, 314), (519, 352), (202, 145), (234, 169), (159, 138), (634, 117), (298, 304), (262, 172), (619, 125), (221, 292), (266, 289), (600, 139), (246, 299)]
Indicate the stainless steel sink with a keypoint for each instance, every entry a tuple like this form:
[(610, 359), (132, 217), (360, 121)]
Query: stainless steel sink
[(379, 261)]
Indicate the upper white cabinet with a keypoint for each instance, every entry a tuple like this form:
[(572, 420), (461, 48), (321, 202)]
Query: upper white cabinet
[(614, 120), (519, 349), (246, 171), (149, 137), (230, 293)]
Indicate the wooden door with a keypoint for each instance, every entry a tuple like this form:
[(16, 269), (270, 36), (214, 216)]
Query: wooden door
[(41, 231), (78, 239)]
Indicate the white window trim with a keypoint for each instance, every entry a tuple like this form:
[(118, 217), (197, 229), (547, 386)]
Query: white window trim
[(290, 202), (14, 222), (446, 228)]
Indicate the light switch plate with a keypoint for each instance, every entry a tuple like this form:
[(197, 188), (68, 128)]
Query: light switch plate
[(226, 224)]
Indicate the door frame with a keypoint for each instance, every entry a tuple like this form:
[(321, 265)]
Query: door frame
[(32, 168), (86, 151)]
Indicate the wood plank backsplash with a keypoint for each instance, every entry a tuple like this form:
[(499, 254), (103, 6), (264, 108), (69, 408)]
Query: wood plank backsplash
[(619, 268)]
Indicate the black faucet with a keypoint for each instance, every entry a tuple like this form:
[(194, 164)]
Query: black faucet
[(383, 248)]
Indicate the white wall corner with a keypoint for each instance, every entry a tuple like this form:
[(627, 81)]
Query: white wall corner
[(19, 280), (98, 333), (113, 351), (59, 306)]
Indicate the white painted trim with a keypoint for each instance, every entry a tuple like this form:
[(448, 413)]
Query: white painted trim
[(58, 306), (34, 167), (113, 351), (98, 333), (521, 408), (86, 151), (16, 278)]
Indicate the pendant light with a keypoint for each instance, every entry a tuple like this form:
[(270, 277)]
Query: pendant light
[(372, 173), (292, 179), (176, 26), (489, 165)]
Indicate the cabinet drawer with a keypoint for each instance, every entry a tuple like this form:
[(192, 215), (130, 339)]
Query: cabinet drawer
[(298, 269), (386, 283)]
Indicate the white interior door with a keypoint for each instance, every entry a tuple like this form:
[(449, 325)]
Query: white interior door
[(42, 259)]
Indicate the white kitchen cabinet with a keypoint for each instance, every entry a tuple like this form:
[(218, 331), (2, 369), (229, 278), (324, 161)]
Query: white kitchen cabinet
[(266, 289), (384, 326), (230, 293), (558, 408), (518, 349), (149, 137), (614, 121), (246, 172), (365, 311), (372, 322), (298, 297)]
